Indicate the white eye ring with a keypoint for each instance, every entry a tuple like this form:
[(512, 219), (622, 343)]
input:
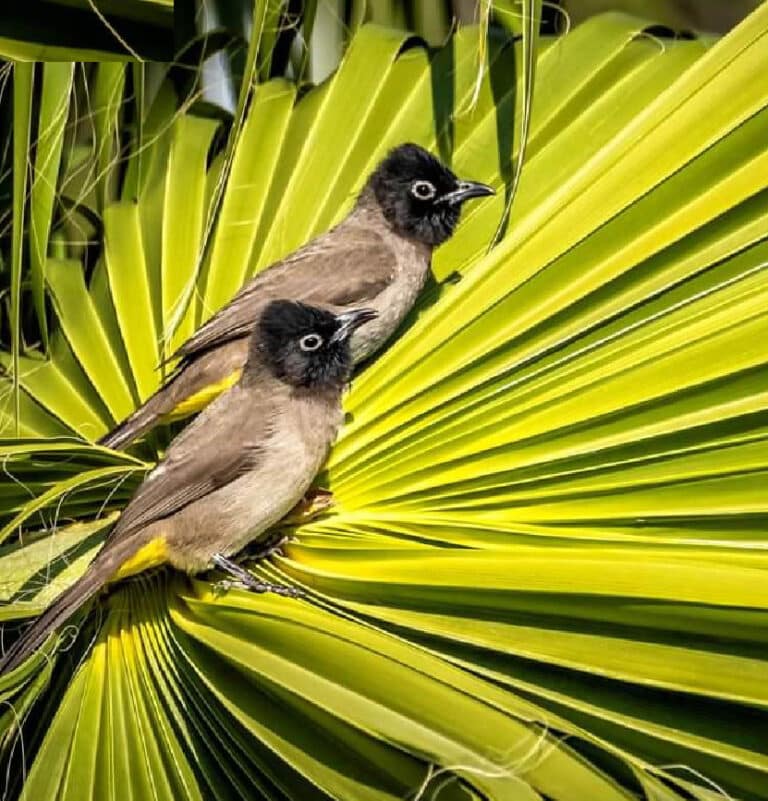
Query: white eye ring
[(423, 190), (310, 342)]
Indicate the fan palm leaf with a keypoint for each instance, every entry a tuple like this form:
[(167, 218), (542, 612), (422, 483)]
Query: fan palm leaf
[(543, 575)]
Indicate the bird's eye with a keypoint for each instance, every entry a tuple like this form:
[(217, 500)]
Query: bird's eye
[(423, 190), (310, 342)]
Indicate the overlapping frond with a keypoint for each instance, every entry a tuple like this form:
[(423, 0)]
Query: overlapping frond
[(90, 30)]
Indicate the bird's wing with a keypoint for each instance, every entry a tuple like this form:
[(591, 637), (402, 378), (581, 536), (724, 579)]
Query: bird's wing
[(225, 441), (335, 270)]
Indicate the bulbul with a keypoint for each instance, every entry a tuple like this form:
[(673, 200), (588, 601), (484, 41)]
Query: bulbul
[(378, 256), (245, 462)]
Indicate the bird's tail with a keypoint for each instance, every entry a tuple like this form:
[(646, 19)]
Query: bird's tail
[(147, 416), (99, 572), (143, 419)]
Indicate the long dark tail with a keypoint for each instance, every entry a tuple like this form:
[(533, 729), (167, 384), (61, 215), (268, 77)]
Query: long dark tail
[(149, 414), (95, 577), (141, 421)]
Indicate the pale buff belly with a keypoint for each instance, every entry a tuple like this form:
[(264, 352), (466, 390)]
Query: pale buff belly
[(243, 511)]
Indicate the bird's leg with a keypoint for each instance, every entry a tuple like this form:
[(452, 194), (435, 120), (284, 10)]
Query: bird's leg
[(315, 501), (273, 545), (249, 581)]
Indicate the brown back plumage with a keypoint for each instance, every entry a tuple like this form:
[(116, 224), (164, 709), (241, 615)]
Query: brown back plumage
[(378, 256), (359, 263)]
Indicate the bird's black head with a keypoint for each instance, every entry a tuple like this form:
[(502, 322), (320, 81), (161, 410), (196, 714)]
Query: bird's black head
[(306, 346), (420, 197)]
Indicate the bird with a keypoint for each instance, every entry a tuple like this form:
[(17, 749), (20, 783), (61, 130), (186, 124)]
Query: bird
[(378, 256), (236, 470)]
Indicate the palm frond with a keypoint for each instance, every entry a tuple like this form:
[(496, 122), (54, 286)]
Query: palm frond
[(89, 30), (543, 576)]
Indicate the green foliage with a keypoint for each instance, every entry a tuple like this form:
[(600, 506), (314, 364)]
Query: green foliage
[(90, 30), (544, 573), (701, 15)]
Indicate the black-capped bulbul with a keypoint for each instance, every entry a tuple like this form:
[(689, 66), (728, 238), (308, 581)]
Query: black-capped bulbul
[(378, 256), (234, 472)]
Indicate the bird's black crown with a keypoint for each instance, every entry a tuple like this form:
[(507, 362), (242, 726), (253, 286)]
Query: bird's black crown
[(419, 196), (306, 346)]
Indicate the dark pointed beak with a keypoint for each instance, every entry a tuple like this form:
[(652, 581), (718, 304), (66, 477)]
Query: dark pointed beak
[(466, 190), (350, 321)]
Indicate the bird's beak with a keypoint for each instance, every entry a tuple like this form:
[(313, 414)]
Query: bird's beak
[(465, 190), (351, 320)]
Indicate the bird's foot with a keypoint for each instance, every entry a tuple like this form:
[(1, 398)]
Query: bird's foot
[(244, 579), (314, 503), (225, 585), (272, 547)]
